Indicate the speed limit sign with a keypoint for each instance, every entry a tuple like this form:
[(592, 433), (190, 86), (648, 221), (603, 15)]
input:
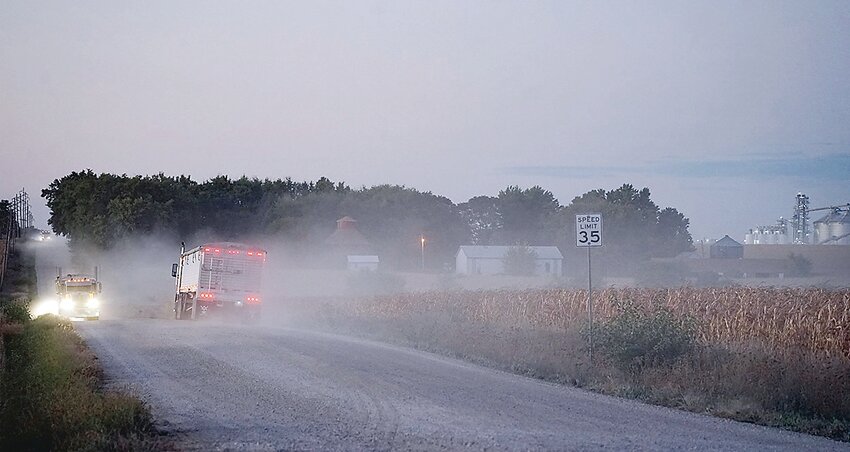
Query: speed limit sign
[(588, 230)]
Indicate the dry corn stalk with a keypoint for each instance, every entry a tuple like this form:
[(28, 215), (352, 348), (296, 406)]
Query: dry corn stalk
[(784, 318)]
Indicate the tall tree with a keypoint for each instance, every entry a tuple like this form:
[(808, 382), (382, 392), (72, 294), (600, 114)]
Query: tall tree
[(100, 209), (635, 229), (671, 235), (525, 214), (393, 217), (5, 216), (481, 215)]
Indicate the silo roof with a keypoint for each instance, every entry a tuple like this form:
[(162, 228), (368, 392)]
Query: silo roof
[(727, 241), (836, 216)]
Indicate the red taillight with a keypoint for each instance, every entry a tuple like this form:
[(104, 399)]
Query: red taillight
[(217, 250), (250, 253), (252, 299), (206, 296), (206, 250)]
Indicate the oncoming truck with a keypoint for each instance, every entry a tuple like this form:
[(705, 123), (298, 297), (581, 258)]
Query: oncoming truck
[(79, 295), (219, 278)]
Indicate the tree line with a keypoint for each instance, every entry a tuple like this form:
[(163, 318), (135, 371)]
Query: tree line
[(7, 226), (102, 209)]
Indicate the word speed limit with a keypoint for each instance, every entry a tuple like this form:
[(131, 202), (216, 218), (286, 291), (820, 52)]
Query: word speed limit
[(588, 230)]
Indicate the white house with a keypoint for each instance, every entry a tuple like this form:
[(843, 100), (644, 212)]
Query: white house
[(360, 262), (489, 260)]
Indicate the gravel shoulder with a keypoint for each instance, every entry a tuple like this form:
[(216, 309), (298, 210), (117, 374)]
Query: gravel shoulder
[(221, 386)]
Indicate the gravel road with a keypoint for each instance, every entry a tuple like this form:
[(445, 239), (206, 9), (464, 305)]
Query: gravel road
[(232, 387), (238, 387)]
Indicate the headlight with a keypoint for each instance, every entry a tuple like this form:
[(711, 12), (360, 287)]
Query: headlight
[(93, 303), (44, 306), (66, 304)]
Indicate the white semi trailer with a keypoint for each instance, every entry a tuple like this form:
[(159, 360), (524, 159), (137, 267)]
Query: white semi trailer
[(222, 277)]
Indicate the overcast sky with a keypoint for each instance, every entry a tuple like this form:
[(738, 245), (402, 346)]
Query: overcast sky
[(725, 110)]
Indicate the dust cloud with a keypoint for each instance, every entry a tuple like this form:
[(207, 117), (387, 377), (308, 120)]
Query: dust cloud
[(52, 257), (299, 288)]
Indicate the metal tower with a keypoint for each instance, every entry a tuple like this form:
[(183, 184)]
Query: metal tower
[(21, 212), (801, 233)]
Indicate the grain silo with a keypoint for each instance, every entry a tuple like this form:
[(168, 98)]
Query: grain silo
[(768, 235), (833, 228), (726, 248)]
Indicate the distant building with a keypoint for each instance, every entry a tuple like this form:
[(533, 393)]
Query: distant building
[(833, 228), (732, 268), (832, 261), (347, 238), (490, 260), (768, 235), (345, 241), (362, 263), (726, 248)]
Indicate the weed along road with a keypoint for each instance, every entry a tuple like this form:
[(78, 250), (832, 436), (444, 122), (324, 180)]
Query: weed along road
[(242, 387)]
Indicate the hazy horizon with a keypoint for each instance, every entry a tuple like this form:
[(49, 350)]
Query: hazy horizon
[(724, 110)]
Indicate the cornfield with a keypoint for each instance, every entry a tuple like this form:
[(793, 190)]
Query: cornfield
[(784, 318)]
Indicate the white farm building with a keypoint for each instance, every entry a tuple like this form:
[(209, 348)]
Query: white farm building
[(489, 260), (358, 263)]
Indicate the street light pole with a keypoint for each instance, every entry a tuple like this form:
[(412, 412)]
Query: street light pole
[(422, 248)]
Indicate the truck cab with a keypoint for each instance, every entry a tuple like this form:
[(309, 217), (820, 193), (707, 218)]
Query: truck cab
[(79, 296)]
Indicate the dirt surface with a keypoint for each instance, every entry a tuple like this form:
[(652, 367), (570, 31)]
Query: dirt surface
[(233, 387), (219, 386)]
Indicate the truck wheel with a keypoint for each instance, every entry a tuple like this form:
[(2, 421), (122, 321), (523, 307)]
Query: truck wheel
[(251, 316), (180, 314)]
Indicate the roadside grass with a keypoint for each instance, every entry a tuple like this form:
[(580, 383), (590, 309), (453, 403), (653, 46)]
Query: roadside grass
[(51, 395), (20, 275), (794, 390), (51, 398), (645, 353)]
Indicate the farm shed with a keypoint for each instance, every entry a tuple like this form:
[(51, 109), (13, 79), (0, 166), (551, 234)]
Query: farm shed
[(726, 248), (490, 260), (358, 263)]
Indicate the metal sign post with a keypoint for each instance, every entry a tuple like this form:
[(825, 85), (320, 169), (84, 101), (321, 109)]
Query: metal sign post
[(589, 235), (589, 309)]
